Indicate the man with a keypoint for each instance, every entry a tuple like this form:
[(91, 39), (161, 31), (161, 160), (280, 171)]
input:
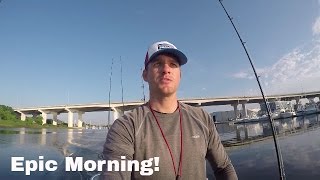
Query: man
[(181, 136)]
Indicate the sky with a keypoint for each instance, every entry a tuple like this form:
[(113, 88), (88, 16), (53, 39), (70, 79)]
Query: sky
[(60, 52)]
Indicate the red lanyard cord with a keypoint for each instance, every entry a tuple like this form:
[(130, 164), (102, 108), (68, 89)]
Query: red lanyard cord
[(178, 174)]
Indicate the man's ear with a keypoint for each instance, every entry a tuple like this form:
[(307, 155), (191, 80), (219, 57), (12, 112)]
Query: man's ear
[(144, 75)]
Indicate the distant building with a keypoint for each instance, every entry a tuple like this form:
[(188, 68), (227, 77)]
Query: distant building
[(277, 106), (222, 116)]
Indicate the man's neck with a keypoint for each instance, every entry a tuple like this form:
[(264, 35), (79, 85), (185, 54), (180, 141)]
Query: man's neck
[(164, 104)]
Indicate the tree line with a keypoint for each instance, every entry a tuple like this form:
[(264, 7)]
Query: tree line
[(9, 116)]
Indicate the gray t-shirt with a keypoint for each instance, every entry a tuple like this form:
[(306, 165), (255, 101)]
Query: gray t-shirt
[(137, 136)]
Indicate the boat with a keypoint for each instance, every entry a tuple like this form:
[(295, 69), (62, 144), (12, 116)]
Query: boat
[(308, 108), (286, 114)]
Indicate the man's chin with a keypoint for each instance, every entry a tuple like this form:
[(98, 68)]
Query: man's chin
[(167, 92), (164, 91)]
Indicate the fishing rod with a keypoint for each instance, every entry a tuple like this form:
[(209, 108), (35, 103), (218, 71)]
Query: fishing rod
[(142, 86), (110, 79), (278, 151), (121, 84)]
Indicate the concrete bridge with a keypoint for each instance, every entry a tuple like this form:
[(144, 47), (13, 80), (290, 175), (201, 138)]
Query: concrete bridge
[(119, 108)]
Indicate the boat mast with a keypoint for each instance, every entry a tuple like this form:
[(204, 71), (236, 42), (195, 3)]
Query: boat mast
[(110, 79)]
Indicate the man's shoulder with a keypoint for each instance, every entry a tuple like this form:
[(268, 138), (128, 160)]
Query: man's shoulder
[(193, 109), (135, 114), (197, 115)]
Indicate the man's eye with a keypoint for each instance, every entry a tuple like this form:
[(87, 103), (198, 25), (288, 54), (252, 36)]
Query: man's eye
[(157, 64), (174, 65)]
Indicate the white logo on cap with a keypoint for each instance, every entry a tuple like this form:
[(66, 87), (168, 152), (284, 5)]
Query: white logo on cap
[(164, 46)]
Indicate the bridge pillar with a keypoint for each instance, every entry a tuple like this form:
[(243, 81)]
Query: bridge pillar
[(244, 111), (54, 118), (44, 116), (235, 109), (80, 118), (70, 117), (22, 116)]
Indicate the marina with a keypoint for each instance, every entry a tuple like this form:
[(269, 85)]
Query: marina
[(251, 148), (278, 110)]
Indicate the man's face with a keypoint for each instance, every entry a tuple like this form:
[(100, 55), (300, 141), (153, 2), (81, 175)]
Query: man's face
[(163, 75)]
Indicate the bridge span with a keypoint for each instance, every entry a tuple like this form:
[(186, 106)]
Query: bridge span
[(119, 108)]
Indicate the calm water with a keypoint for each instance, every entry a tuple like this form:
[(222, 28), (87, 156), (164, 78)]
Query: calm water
[(299, 142), (53, 145), (249, 146)]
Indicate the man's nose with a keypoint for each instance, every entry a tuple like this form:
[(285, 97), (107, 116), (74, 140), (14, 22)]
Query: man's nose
[(166, 68)]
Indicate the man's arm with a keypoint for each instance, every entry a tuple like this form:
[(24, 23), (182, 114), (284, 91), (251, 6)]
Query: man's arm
[(119, 142), (217, 156)]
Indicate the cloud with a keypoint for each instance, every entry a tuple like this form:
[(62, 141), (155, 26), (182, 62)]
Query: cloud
[(296, 70), (248, 74), (243, 75), (316, 27), (300, 64)]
